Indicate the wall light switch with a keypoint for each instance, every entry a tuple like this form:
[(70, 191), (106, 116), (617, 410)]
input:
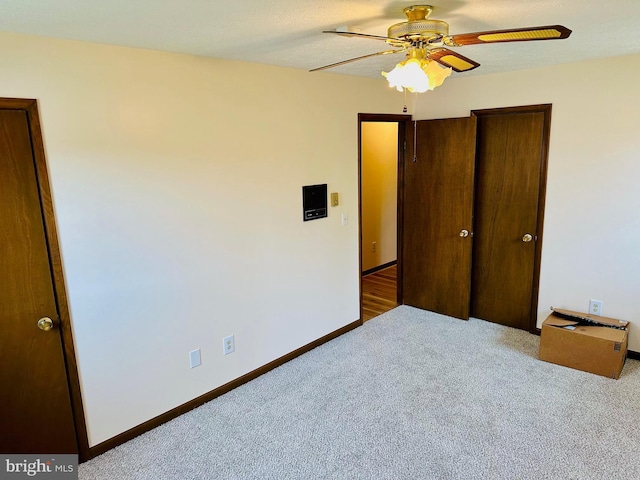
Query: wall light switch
[(345, 219), (334, 199), (194, 358)]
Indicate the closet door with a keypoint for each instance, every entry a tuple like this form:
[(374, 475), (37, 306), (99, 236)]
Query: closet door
[(509, 201), (35, 400), (437, 214)]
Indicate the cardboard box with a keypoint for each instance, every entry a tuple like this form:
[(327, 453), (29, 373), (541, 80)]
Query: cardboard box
[(585, 342)]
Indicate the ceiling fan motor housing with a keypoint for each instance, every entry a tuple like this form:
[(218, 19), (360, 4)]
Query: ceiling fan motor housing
[(418, 27)]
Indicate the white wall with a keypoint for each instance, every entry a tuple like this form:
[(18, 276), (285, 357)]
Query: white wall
[(592, 219), (177, 189), (379, 182)]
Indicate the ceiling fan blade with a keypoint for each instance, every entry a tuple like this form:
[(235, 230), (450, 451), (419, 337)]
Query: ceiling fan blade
[(386, 52), (549, 32), (363, 35), (449, 58)]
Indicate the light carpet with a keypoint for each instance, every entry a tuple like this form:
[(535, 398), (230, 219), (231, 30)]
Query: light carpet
[(409, 395)]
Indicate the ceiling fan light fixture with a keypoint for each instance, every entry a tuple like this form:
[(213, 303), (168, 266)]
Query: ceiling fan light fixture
[(417, 74)]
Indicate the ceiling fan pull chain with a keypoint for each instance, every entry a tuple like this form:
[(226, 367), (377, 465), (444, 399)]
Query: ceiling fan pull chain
[(415, 140), (404, 109)]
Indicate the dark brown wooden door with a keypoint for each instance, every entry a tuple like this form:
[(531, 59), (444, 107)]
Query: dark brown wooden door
[(508, 175), (437, 208), (35, 406)]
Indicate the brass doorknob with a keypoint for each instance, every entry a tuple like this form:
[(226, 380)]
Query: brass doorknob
[(464, 233), (527, 238), (45, 323)]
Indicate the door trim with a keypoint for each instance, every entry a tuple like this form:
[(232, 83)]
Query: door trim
[(400, 120), (542, 192), (30, 106)]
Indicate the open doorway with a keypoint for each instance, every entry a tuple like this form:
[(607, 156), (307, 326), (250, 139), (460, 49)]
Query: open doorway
[(379, 175)]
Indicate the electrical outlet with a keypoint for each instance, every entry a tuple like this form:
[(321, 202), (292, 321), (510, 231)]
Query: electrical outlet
[(228, 345), (194, 358), (595, 307), (374, 246)]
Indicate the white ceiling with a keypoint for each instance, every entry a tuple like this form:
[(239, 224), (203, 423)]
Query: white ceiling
[(288, 32)]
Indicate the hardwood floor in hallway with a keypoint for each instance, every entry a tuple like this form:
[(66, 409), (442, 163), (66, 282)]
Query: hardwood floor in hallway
[(379, 292)]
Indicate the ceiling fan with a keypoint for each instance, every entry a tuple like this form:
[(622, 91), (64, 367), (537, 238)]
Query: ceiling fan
[(426, 40)]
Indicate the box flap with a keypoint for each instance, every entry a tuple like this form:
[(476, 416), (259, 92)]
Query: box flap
[(586, 319), (557, 321), (604, 333)]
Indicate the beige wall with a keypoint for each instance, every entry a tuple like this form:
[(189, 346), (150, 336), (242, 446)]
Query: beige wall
[(177, 188), (379, 144), (592, 219)]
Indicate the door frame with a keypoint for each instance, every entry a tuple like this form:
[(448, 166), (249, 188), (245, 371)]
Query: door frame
[(400, 120), (30, 107), (542, 192)]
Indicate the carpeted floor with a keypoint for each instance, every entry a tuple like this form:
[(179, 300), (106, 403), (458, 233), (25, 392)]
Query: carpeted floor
[(410, 395)]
